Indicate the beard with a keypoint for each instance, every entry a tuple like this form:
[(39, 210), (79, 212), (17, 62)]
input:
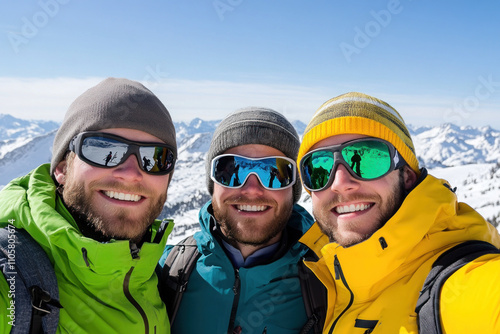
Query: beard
[(391, 206), (105, 222), (246, 231)]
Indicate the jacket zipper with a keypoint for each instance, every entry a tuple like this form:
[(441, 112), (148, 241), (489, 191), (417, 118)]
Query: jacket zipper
[(340, 275), (131, 299), (236, 290)]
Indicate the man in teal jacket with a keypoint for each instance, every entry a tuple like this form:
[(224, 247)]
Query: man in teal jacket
[(95, 217), (246, 279)]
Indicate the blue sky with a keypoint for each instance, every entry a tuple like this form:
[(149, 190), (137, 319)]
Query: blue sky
[(434, 61)]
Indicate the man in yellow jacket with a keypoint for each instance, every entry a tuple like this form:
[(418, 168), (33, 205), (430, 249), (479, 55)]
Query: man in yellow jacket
[(380, 228)]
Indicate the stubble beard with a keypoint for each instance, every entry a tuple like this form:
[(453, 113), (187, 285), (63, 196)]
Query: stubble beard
[(117, 224), (330, 229), (248, 235)]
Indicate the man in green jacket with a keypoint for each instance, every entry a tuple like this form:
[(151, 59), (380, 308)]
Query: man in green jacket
[(94, 215)]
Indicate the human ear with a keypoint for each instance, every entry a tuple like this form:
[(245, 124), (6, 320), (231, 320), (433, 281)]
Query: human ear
[(60, 172), (410, 177)]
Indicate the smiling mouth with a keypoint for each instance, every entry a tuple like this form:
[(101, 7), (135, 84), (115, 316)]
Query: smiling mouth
[(252, 208), (342, 209), (122, 196)]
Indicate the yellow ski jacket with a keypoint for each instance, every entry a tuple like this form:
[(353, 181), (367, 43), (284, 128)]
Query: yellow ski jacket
[(376, 283)]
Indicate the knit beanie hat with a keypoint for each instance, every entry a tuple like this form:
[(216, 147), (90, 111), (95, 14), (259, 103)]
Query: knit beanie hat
[(357, 113), (114, 103), (254, 126)]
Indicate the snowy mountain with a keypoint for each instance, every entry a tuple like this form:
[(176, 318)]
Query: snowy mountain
[(449, 145), (15, 128), (467, 157)]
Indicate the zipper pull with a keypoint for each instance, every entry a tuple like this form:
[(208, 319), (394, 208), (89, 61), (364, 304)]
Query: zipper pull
[(336, 266), (236, 287), (84, 253), (134, 250), (382, 242)]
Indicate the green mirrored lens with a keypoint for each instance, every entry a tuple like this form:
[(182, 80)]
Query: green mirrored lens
[(368, 159), (316, 169)]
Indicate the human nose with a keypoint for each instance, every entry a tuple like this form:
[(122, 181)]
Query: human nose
[(129, 170), (252, 186), (343, 180)]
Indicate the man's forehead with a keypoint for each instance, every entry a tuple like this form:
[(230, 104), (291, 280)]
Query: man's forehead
[(254, 151)]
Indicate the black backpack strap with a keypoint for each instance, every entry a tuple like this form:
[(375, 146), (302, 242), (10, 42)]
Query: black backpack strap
[(175, 273), (429, 316), (315, 298), (25, 264)]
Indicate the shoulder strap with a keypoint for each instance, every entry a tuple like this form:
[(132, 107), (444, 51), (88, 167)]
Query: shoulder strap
[(25, 264), (315, 298), (180, 262), (429, 317)]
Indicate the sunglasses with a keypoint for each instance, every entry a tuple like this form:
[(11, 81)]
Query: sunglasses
[(365, 159), (274, 173), (107, 151)]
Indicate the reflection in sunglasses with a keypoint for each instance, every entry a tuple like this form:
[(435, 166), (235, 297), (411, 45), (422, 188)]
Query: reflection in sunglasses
[(273, 172)]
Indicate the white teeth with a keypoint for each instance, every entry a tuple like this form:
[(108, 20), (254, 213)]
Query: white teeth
[(351, 208), (251, 207), (122, 196)]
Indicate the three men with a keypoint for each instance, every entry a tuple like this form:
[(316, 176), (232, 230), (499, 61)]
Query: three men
[(95, 217), (379, 232), (246, 278)]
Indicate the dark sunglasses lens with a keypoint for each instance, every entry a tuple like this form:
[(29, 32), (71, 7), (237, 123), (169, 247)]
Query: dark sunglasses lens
[(273, 173), (106, 152), (225, 171), (369, 159), (156, 159), (316, 169)]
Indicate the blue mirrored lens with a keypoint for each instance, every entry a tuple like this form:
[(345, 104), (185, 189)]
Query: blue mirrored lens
[(273, 173)]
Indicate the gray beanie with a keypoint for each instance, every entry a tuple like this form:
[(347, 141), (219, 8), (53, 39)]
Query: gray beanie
[(254, 126), (114, 103)]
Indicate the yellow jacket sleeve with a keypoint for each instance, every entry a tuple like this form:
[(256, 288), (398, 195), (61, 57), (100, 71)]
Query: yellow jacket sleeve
[(470, 298)]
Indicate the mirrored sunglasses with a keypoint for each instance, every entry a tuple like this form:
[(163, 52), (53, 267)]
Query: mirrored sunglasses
[(274, 173), (365, 159), (105, 150)]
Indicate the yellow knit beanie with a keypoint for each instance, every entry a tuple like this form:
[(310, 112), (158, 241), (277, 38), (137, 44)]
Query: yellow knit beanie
[(357, 113)]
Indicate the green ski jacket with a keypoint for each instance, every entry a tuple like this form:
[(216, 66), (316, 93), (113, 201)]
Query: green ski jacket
[(103, 287)]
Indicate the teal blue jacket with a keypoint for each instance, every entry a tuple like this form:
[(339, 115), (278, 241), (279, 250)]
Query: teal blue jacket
[(102, 287), (265, 298)]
